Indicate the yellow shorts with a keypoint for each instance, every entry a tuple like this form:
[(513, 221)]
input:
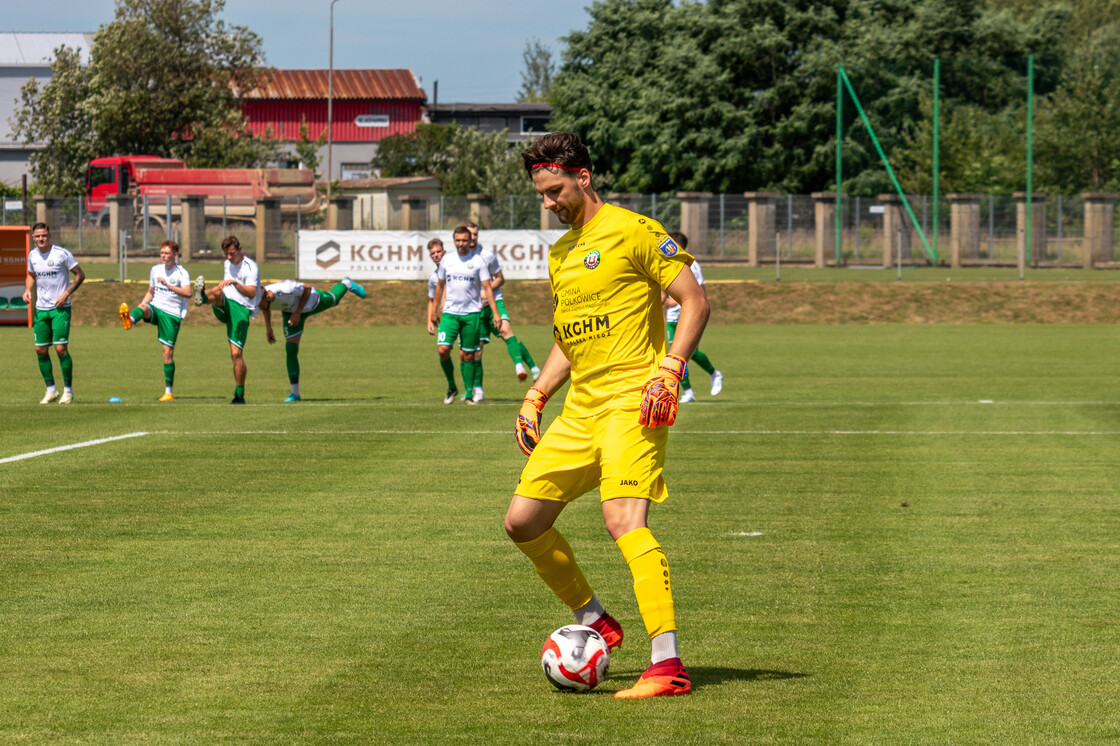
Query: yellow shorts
[(610, 451)]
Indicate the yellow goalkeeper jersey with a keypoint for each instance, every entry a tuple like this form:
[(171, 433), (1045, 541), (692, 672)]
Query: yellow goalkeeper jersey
[(606, 295)]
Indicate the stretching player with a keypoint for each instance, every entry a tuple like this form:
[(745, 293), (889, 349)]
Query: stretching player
[(48, 273), (606, 274), (518, 353), (673, 313), (462, 283), (297, 301), (436, 252), (235, 300), (165, 305)]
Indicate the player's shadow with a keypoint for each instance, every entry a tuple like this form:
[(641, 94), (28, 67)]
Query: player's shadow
[(701, 676)]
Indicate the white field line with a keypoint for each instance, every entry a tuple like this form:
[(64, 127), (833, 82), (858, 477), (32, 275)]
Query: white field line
[(72, 446)]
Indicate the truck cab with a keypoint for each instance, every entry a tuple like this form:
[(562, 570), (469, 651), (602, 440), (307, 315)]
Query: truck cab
[(117, 175)]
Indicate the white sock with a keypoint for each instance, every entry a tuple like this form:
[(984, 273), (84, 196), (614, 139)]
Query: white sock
[(664, 647), (167, 389), (589, 612), (295, 389), (52, 389), (67, 390)]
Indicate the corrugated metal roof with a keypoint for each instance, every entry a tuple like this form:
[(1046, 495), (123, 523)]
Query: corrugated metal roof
[(348, 84), (31, 49)]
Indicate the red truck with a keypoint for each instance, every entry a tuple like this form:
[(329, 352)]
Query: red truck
[(158, 178)]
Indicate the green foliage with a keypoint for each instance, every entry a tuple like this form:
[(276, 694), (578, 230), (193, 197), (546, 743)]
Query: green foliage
[(536, 78), (733, 95), (162, 80), (463, 160), (307, 150), (59, 117), (1078, 144)]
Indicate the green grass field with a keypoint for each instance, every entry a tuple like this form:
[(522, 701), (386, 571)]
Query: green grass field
[(878, 534)]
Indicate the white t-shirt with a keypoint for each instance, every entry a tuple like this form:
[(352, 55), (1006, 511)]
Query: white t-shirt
[(432, 282), (246, 273), (288, 293), (52, 275), (464, 276), (162, 296), (493, 266), (673, 313)]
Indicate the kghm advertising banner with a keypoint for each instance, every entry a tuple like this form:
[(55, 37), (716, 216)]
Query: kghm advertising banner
[(15, 242), (403, 255)]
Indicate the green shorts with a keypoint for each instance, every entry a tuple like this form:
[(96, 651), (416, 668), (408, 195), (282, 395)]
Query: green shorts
[(464, 328), (488, 325), (326, 300), (670, 332), (236, 317), (52, 327), (167, 326)]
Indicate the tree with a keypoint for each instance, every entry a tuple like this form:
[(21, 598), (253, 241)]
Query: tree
[(58, 117), (463, 160), (1079, 125), (307, 150), (536, 78), (736, 95), (162, 80)]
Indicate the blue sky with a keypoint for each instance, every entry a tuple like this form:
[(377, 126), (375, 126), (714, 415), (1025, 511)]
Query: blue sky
[(472, 47)]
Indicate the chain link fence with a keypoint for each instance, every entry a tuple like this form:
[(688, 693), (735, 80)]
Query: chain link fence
[(728, 226)]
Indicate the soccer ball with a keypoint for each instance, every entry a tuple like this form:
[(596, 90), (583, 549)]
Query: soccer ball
[(575, 658)]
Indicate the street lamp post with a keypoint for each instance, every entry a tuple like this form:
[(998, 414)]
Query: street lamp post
[(330, 107)]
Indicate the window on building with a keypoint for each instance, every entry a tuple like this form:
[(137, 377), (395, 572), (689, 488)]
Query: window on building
[(534, 125)]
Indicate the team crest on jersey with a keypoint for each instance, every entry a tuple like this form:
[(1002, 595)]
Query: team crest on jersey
[(668, 247), (591, 261)]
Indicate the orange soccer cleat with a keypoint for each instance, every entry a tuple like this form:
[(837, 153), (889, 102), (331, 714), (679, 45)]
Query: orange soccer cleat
[(126, 320), (663, 679)]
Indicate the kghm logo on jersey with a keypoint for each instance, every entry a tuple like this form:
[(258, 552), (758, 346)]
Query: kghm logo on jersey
[(591, 261), (668, 247)]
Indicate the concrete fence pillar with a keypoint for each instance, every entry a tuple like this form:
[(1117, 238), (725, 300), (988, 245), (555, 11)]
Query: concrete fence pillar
[(896, 229), (192, 233), (762, 238), (694, 220), (631, 201), (481, 208), (1100, 208), (824, 217), (964, 228), (48, 209), (268, 226), (340, 212), (1038, 228), (122, 217)]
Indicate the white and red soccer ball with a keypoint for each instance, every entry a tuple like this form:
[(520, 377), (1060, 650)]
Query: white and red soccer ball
[(575, 658)]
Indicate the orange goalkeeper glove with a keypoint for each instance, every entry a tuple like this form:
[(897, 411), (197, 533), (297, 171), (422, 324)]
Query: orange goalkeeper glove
[(659, 395), (528, 428)]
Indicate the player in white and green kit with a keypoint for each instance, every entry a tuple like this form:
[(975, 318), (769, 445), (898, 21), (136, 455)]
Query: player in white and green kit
[(501, 327), (165, 305), (462, 283), (672, 316), (48, 274), (235, 301), (297, 301)]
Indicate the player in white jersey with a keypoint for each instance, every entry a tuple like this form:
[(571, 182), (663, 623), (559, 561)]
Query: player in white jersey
[(462, 283), (437, 252), (48, 274), (672, 316), (296, 302), (165, 305), (523, 362), (235, 301)]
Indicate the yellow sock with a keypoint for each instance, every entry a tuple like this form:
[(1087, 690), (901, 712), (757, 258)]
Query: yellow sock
[(651, 579), (555, 562)]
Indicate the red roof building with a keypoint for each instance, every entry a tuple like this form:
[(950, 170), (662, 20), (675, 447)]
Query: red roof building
[(367, 106)]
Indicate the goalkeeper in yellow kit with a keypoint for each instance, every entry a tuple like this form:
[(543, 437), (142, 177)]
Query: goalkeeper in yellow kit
[(607, 273)]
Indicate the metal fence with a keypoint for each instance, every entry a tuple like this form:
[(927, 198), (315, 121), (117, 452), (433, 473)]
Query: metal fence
[(728, 226)]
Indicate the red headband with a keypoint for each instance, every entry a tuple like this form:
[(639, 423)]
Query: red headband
[(543, 165)]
